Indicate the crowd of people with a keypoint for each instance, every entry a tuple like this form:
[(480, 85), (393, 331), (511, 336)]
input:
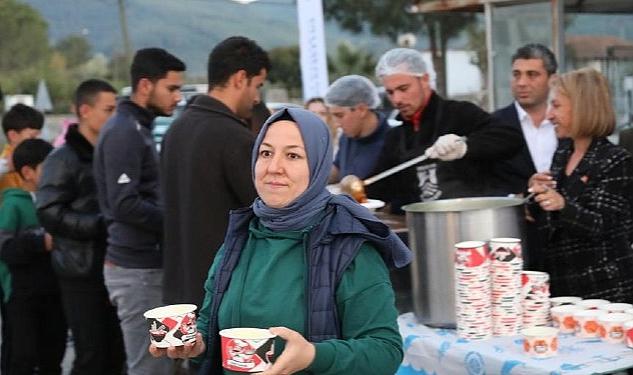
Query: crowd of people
[(234, 214)]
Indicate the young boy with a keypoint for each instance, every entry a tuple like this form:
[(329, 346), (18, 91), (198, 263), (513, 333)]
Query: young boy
[(20, 123), (67, 208), (37, 325)]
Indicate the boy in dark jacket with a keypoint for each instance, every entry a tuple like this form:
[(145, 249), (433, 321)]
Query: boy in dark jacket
[(38, 327), (68, 209)]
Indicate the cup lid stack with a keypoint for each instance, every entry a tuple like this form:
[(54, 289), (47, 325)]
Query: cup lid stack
[(506, 264), (535, 295), (472, 290)]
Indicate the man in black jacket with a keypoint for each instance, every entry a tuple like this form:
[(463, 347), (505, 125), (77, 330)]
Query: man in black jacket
[(533, 66), (68, 209), (126, 174), (205, 164), (460, 139)]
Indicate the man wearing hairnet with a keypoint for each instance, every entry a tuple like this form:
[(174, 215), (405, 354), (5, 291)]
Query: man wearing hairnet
[(460, 139), (352, 100)]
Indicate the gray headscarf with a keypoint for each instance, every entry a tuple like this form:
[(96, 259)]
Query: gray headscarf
[(316, 138), (313, 201)]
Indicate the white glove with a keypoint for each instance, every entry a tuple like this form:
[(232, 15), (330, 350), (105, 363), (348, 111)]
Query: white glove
[(448, 147)]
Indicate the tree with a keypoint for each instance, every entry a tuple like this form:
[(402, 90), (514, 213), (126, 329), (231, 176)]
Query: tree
[(351, 60), (75, 49), (23, 36), (286, 70), (388, 17)]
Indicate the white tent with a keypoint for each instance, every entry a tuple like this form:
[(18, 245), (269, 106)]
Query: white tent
[(42, 98)]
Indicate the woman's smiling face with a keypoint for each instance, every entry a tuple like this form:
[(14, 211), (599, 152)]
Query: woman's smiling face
[(281, 170), (560, 114)]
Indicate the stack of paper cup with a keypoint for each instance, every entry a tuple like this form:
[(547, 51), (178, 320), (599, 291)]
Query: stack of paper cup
[(506, 264), (535, 294), (472, 290)]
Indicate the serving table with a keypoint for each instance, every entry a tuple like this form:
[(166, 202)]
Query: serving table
[(440, 352)]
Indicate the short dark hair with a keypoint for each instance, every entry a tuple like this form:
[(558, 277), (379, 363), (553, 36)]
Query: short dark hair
[(540, 52), (232, 55), (153, 64), (87, 91), (22, 117), (30, 152), (315, 99)]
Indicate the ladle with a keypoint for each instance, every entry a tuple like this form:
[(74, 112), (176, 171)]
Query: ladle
[(355, 187)]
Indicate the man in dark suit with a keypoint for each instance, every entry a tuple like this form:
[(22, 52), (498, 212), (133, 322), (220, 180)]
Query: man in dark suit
[(533, 65)]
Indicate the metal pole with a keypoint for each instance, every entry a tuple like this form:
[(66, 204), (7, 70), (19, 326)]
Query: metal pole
[(126, 37), (558, 32), (490, 57)]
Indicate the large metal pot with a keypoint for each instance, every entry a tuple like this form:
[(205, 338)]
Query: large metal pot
[(434, 228)]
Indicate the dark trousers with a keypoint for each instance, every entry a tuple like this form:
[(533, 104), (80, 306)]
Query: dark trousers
[(38, 334), (6, 344), (95, 328)]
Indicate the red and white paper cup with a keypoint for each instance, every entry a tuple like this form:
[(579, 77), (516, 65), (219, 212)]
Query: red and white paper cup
[(587, 322), (563, 317), (565, 300), (172, 325), (247, 349), (628, 331), (612, 327), (592, 303), (616, 307), (540, 342)]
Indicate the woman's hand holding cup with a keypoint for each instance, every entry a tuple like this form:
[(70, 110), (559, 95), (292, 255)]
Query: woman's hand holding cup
[(188, 350), (297, 355)]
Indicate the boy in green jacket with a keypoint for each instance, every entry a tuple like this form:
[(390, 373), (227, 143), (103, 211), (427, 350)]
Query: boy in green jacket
[(37, 324)]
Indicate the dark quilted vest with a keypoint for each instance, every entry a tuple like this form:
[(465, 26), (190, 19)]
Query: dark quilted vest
[(326, 268)]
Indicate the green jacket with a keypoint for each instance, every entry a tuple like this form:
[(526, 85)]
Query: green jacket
[(267, 289), (17, 215)]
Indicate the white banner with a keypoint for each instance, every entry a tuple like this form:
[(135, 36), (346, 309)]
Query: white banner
[(312, 48)]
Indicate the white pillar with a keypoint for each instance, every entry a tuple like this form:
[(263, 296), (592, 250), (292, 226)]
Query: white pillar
[(314, 76)]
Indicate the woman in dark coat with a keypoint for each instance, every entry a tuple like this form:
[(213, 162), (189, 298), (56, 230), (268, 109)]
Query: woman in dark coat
[(585, 203)]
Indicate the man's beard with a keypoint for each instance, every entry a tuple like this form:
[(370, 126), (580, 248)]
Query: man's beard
[(157, 111)]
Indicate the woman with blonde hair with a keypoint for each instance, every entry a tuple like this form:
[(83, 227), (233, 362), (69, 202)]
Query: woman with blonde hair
[(584, 204)]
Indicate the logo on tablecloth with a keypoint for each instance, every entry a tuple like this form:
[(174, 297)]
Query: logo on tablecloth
[(474, 364)]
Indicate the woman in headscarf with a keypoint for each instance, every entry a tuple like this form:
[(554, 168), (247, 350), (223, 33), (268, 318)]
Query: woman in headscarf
[(584, 205), (310, 265)]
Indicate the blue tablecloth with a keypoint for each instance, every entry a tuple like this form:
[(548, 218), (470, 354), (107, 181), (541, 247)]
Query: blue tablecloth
[(439, 351)]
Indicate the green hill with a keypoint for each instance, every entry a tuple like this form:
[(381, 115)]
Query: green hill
[(188, 28)]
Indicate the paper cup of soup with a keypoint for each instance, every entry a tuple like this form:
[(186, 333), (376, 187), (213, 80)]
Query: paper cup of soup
[(247, 349), (540, 342), (587, 322), (566, 300), (628, 331), (563, 317), (592, 303), (615, 307), (172, 325), (612, 327)]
